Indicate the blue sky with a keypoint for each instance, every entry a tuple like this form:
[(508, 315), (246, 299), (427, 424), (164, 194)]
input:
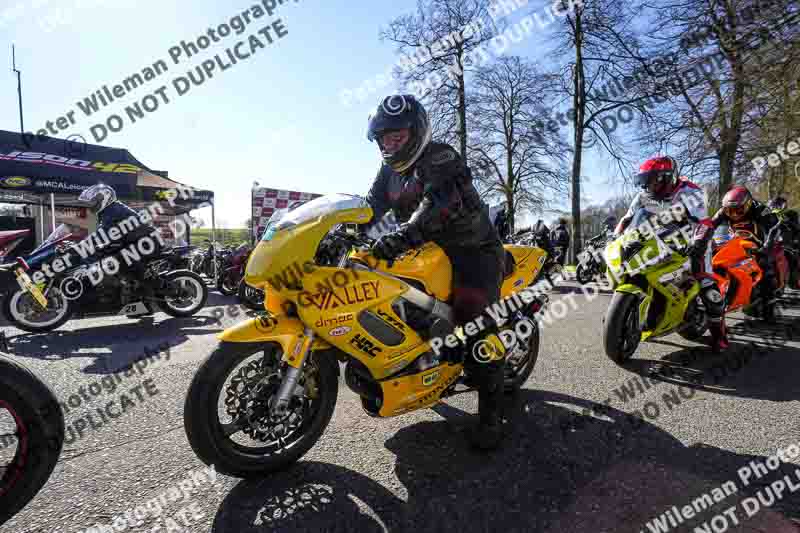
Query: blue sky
[(278, 117)]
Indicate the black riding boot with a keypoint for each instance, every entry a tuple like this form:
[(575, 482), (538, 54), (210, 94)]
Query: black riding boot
[(488, 433)]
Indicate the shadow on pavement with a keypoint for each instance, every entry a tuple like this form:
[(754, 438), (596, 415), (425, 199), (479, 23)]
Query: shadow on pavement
[(130, 340), (761, 362), (559, 471)]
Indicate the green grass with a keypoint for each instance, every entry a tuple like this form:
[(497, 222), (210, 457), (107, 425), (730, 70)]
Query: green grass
[(225, 236)]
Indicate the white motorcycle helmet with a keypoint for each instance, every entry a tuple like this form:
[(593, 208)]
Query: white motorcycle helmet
[(98, 197)]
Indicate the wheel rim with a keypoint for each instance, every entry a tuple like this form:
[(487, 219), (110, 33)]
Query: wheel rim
[(520, 355), (249, 427), (188, 294), (11, 471), (26, 311)]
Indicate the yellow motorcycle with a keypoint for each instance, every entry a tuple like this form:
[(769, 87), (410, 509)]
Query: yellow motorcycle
[(267, 392)]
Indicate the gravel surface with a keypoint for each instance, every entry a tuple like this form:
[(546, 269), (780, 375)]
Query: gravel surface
[(577, 458)]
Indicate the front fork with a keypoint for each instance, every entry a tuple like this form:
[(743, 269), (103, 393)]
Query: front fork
[(294, 367)]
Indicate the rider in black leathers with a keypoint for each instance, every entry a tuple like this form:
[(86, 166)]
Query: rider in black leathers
[(559, 239), (429, 188), (741, 211), (120, 227)]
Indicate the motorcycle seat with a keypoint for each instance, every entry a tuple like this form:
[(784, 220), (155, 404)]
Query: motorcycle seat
[(510, 265)]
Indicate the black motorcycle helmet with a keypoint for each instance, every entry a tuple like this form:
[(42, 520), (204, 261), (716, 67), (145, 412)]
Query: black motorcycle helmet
[(777, 203), (397, 112)]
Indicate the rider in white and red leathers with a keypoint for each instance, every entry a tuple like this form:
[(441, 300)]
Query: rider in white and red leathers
[(665, 190)]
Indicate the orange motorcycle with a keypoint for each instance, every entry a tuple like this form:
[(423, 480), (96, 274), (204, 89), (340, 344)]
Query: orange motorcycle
[(738, 273)]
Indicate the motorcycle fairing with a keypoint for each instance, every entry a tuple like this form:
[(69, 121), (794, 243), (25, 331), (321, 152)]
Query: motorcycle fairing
[(357, 317), (735, 260)]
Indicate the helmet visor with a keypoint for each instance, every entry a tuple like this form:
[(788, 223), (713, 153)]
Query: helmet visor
[(383, 122), (643, 179), (735, 212)]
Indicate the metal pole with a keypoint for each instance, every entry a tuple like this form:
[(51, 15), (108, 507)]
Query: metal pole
[(19, 89), (53, 211), (41, 218), (213, 240)]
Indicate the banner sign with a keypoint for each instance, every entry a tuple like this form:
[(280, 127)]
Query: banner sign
[(267, 201)]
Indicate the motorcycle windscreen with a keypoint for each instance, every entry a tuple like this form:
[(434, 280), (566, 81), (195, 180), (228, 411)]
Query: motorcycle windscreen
[(60, 233), (287, 249)]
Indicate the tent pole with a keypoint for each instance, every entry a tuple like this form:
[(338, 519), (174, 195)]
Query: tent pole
[(53, 211), (214, 239), (41, 218)]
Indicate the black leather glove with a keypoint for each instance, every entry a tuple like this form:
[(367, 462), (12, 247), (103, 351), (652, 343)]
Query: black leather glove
[(389, 246), (697, 249)]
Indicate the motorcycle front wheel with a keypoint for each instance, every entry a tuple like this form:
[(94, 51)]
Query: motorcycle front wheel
[(251, 297), (31, 434), (584, 275), (227, 413), (621, 334), (227, 283), (21, 309)]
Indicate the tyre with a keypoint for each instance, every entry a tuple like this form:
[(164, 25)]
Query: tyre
[(621, 334), (184, 293), (22, 310), (251, 297), (584, 275), (696, 322), (227, 284), (522, 359), (264, 443), (29, 404)]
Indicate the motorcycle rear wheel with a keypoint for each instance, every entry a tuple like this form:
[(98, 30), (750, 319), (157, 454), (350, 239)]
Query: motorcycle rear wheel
[(39, 432), (697, 323), (198, 299), (522, 359), (210, 438), (621, 335)]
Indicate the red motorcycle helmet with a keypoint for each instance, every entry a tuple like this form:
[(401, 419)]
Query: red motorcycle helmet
[(659, 176), (736, 203)]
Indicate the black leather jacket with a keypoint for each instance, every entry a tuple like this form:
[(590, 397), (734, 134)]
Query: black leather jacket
[(759, 221), (127, 221), (434, 201)]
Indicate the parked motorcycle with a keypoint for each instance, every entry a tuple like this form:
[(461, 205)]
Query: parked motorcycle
[(208, 261), (31, 436), (549, 262), (590, 261), (84, 289), (655, 293), (266, 394), (232, 270)]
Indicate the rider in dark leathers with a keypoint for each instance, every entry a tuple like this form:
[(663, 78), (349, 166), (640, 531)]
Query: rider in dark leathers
[(790, 228), (740, 211), (114, 218), (559, 239), (429, 188)]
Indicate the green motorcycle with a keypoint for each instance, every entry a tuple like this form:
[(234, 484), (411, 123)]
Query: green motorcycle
[(655, 293)]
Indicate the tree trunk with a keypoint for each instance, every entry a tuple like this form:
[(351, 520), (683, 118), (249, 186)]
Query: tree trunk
[(462, 105), (579, 104)]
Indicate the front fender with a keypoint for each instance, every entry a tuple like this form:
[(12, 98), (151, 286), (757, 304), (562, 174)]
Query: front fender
[(644, 298), (286, 331)]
